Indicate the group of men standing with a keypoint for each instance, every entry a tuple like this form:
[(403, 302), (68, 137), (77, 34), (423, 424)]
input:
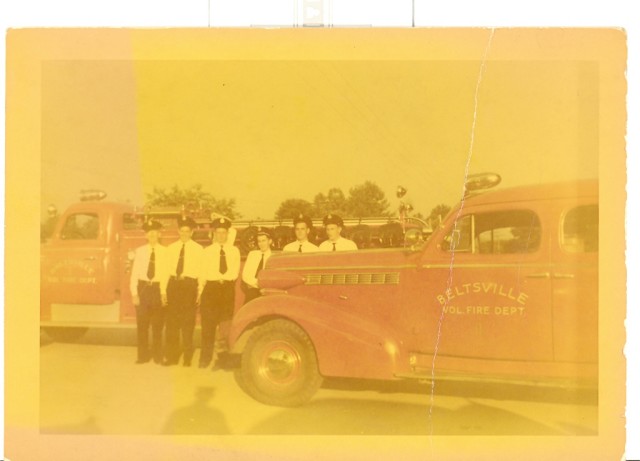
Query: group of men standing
[(169, 284)]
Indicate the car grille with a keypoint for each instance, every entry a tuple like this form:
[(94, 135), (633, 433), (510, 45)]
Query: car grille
[(369, 278)]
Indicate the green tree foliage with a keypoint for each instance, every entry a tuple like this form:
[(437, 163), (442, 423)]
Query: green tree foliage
[(367, 200), (333, 202), (437, 214), (193, 197), (364, 200), (292, 207)]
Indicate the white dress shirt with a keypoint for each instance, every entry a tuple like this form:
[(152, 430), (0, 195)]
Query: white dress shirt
[(211, 263), (342, 244), (192, 258), (141, 265), (307, 247), (251, 266)]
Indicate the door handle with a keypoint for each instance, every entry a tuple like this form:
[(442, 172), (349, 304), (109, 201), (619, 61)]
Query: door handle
[(539, 275), (563, 276), (343, 297)]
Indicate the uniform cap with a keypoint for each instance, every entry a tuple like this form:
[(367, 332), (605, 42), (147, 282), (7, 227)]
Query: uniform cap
[(333, 219), (151, 224), (302, 218), (264, 231), (186, 222), (221, 222)]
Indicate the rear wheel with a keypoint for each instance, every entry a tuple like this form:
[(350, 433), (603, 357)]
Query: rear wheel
[(279, 365), (65, 334)]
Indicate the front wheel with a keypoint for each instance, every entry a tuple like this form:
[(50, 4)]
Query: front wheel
[(279, 365)]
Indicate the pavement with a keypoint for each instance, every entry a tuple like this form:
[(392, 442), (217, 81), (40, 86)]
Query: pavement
[(94, 387)]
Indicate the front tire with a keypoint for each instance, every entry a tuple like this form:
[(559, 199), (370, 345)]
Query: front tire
[(279, 365)]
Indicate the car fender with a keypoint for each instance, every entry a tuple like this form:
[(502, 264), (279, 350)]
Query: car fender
[(345, 344)]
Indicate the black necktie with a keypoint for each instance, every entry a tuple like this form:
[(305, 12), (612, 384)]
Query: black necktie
[(300, 248), (180, 267), (260, 266), (223, 261), (151, 269), (334, 247)]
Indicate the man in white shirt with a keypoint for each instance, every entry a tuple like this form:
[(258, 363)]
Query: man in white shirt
[(148, 287), (216, 292), (302, 226), (256, 261), (333, 225), (184, 261)]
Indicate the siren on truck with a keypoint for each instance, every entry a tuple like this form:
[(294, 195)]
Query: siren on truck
[(91, 195), (481, 181)]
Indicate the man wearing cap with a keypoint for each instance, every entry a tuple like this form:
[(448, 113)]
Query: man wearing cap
[(256, 261), (302, 226), (184, 261), (148, 287), (333, 226), (216, 292)]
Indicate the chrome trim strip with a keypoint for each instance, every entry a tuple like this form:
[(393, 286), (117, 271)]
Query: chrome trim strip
[(345, 267)]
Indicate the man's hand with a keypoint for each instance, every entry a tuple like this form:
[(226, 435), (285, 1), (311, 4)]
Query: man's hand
[(136, 300), (163, 298), (198, 299)]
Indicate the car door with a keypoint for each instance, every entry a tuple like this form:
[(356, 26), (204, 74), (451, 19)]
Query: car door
[(74, 263), (483, 287), (575, 282)]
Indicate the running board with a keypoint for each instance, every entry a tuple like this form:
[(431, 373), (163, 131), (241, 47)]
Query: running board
[(426, 376)]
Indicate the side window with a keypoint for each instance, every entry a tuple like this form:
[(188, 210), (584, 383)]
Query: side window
[(507, 232), (580, 230), (81, 226), (502, 232)]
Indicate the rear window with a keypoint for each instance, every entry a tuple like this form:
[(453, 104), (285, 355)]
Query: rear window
[(580, 230), (502, 232), (81, 226)]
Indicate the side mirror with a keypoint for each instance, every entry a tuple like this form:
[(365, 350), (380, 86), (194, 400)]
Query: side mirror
[(451, 241)]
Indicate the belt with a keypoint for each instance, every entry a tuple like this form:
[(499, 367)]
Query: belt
[(182, 277), (148, 283), (220, 282)]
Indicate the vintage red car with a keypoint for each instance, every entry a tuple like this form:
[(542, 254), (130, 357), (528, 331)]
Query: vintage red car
[(505, 289)]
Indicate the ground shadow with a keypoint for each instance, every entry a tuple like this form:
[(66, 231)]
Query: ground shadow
[(471, 389), (197, 418), (370, 417)]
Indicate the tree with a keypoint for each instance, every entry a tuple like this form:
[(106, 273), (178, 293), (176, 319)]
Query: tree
[(367, 200), (333, 202), (192, 197), (292, 207), (438, 213)]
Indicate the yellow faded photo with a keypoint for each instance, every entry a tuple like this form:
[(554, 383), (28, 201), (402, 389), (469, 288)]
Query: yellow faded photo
[(286, 243)]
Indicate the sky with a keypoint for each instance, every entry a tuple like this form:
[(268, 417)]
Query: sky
[(262, 131)]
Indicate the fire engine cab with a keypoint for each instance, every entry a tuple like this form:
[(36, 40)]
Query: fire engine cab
[(505, 289)]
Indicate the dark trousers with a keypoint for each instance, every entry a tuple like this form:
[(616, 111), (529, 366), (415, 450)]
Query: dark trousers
[(216, 306), (150, 313), (181, 318)]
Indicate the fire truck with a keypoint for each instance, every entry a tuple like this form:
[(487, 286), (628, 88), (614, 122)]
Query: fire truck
[(86, 261), (506, 290)]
